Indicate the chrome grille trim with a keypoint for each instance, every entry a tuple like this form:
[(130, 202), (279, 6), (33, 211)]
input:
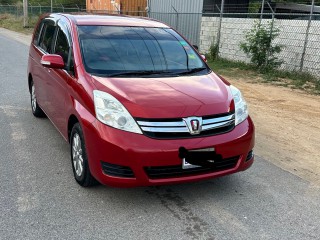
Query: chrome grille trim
[(217, 125), (218, 119), (162, 124), (165, 129), (180, 126)]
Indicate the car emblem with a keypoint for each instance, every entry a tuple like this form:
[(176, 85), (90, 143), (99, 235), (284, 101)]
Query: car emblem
[(194, 124)]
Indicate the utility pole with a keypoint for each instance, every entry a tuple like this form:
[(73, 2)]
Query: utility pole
[(51, 6), (25, 13)]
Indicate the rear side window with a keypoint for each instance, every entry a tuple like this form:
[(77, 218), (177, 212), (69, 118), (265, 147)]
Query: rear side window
[(36, 34), (46, 37), (62, 47)]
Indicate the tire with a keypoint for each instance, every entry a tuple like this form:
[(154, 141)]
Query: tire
[(79, 159), (36, 110)]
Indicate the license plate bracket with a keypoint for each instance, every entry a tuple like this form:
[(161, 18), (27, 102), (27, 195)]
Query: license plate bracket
[(194, 158), (186, 165)]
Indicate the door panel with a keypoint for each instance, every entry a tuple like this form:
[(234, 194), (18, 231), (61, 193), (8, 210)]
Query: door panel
[(41, 73), (59, 80)]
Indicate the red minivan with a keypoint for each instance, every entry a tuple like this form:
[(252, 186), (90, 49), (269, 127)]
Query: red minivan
[(137, 103)]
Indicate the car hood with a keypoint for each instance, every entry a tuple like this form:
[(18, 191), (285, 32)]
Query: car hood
[(171, 97)]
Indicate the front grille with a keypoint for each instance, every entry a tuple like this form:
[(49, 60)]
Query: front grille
[(116, 170), (177, 128), (178, 171)]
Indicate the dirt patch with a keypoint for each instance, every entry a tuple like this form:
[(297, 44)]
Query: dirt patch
[(287, 127)]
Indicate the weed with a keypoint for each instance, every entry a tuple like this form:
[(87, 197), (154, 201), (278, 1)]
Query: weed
[(258, 46), (213, 51)]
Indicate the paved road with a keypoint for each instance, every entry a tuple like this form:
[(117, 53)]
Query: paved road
[(40, 200)]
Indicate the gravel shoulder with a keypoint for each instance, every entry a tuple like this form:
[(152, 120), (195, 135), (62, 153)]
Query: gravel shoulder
[(287, 127), (20, 37)]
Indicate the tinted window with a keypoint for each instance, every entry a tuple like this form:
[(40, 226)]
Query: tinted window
[(111, 49), (36, 34), (62, 46), (47, 36)]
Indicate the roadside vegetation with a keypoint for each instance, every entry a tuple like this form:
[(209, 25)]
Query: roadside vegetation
[(249, 72), (265, 66), (42, 2), (14, 23), (258, 46)]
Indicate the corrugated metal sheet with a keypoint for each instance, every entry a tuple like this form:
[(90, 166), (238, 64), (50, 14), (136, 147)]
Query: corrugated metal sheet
[(183, 15)]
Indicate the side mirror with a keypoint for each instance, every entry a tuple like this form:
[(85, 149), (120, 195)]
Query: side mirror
[(204, 57), (196, 47), (52, 61)]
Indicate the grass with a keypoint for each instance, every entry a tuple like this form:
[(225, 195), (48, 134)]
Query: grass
[(14, 23), (241, 70)]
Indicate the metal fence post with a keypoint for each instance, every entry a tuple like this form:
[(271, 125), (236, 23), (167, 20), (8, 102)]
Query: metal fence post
[(25, 13), (177, 17), (219, 27), (148, 8), (307, 36), (40, 8), (271, 30), (262, 10)]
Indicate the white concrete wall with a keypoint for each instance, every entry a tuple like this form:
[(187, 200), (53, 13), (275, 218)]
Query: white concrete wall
[(291, 37)]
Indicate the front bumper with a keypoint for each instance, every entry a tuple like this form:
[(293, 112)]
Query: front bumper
[(138, 153)]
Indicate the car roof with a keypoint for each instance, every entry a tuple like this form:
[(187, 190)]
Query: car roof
[(111, 20)]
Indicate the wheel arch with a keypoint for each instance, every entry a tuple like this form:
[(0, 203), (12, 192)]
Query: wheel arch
[(30, 79), (71, 122)]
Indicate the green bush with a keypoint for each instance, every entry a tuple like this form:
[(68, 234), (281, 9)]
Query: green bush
[(258, 46), (213, 51)]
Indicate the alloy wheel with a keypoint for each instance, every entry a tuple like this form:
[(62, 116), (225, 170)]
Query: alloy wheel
[(77, 155), (33, 99)]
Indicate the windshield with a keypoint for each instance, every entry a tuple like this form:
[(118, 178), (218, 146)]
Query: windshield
[(113, 50)]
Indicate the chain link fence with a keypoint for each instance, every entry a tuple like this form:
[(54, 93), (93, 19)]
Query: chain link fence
[(36, 10), (299, 33), (299, 37)]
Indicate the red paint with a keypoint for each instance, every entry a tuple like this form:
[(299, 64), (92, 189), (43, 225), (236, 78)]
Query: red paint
[(62, 95)]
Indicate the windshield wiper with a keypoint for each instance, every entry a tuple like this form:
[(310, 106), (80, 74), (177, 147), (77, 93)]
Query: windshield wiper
[(193, 70), (139, 73)]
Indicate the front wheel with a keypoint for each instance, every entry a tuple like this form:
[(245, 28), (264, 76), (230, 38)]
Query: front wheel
[(79, 158), (36, 110)]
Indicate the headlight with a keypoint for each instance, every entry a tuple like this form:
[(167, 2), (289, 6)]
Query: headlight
[(241, 109), (112, 113)]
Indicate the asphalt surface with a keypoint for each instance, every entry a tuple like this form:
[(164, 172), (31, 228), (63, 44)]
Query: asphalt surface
[(39, 198)]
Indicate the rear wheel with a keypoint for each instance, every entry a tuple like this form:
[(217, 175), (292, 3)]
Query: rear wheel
[(36, 110), (79, 158)]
